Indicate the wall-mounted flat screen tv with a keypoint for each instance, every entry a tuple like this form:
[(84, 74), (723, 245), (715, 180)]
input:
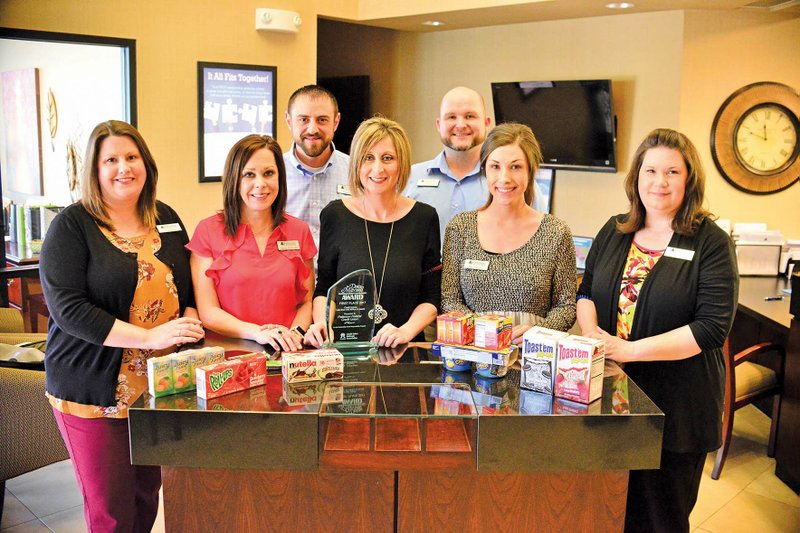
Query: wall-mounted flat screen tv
[(573, 120)]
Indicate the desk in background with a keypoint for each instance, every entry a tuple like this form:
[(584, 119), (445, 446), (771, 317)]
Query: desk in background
[(758, 321), (19, 279)]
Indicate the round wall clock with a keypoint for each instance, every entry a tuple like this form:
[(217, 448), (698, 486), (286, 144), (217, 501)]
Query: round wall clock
[(754, 138)]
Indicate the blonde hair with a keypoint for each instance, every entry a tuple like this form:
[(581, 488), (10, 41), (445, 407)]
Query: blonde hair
[(92, 194), (521, 135), (369, 133)]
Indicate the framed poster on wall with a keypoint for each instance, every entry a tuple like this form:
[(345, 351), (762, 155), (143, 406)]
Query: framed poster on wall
[(22, 146), (232, 101)]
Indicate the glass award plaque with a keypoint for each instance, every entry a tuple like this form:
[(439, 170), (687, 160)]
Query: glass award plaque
[(349, 317)]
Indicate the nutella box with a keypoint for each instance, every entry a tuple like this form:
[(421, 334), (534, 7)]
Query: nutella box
[(579, 369), (312, 365), (539, 348), (235, 374), (493, 332), (455, 327)]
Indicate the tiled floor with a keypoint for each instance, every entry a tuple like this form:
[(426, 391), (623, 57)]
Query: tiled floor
[(747, 498)]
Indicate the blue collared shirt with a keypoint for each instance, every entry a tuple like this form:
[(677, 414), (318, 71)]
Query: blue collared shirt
[(308, 191), (446, 193)]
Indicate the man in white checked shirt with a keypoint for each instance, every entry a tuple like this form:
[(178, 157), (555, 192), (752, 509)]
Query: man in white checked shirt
[(316, 172)]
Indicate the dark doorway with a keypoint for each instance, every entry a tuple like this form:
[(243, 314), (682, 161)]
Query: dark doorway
[(352, 93)]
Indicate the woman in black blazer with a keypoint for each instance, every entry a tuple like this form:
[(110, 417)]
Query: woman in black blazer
[(660, 289)]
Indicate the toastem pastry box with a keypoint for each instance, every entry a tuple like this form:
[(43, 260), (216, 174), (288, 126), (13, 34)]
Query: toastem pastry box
[(579, 369)]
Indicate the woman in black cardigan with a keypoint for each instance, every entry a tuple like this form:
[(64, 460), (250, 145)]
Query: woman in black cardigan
[(660, 289)]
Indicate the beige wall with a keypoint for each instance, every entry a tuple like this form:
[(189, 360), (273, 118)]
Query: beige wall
[(171, 36), (641, 53), (723, 52)]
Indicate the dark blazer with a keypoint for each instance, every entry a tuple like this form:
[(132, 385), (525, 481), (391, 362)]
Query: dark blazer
[(88, 284), (701, 293)]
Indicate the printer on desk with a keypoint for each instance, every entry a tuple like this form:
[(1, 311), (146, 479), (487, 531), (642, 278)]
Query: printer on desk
[(758, 250)]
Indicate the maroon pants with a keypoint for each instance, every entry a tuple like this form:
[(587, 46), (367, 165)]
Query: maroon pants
[(117, 496)]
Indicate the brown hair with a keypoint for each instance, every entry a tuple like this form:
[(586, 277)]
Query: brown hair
[(239, 155), (691, 212), (369, 133), (521, 135), (313, 92), (92, 194)]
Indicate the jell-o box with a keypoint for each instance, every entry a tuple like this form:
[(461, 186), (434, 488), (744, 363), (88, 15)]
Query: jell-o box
[(493, 332), (579, 369)]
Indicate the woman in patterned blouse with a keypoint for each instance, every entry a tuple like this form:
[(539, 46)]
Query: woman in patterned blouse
[(660, 289), (507, 257), (116, 278)]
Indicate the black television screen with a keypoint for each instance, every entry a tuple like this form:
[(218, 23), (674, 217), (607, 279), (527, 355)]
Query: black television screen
[(572, 120)]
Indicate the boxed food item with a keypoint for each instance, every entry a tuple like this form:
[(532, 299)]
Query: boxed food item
[(503, 357), (160, 377), (174, 373), (235, 374), (493, 332), (455, 327), (303, 393), (579, 369), (313, 365), (539, 348)]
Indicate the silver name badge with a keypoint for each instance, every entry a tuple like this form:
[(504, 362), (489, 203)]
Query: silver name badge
[(679, 253), (428, 182), (475, 264), (288, 245), (342, 189), (168, 228)]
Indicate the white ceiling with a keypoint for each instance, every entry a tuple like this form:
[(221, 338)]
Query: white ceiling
[(510, 12)]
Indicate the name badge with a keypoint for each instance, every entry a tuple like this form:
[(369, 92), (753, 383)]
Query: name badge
[(679, 253), (342, 189), (288, 245), (428, 182), (168, 228), (474, 264)]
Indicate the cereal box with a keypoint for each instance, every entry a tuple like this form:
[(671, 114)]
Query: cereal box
[(539, 347), (313, 365), (493, 332), (455, 328), (235, 374), (579, 369), (160, 376)]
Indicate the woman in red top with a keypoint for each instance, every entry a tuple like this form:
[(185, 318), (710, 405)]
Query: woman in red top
[(252, 264)]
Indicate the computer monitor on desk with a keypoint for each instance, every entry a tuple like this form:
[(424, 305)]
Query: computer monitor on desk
[(582, 246)]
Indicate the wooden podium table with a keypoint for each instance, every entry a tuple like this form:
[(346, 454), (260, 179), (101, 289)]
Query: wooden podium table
[(403, 446)]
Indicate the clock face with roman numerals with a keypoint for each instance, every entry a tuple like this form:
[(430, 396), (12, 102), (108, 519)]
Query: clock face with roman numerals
[(754, 138), (766, 138)]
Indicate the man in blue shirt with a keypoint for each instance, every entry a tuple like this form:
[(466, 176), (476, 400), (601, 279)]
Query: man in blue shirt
[(452, 182), (316, 172)]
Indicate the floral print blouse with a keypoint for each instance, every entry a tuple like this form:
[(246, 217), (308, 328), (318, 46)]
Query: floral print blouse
[(155, 302), (638, 265)]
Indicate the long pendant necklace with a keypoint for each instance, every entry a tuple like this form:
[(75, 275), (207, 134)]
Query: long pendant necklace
[(378, 313)]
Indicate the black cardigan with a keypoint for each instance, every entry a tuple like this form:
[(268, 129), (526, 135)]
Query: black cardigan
[(701, 293), (88, 284)]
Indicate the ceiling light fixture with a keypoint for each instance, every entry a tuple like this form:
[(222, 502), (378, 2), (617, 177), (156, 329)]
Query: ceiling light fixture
[(434, 23), (619, 5)]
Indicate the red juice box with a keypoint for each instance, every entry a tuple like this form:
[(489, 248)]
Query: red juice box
[(579, 369), (235, 374), (493, 332), (455, 327)]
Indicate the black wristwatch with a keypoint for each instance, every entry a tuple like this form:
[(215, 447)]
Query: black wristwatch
[(300, 331)]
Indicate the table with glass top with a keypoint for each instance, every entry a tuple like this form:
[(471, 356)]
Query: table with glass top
[(399, 444)]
